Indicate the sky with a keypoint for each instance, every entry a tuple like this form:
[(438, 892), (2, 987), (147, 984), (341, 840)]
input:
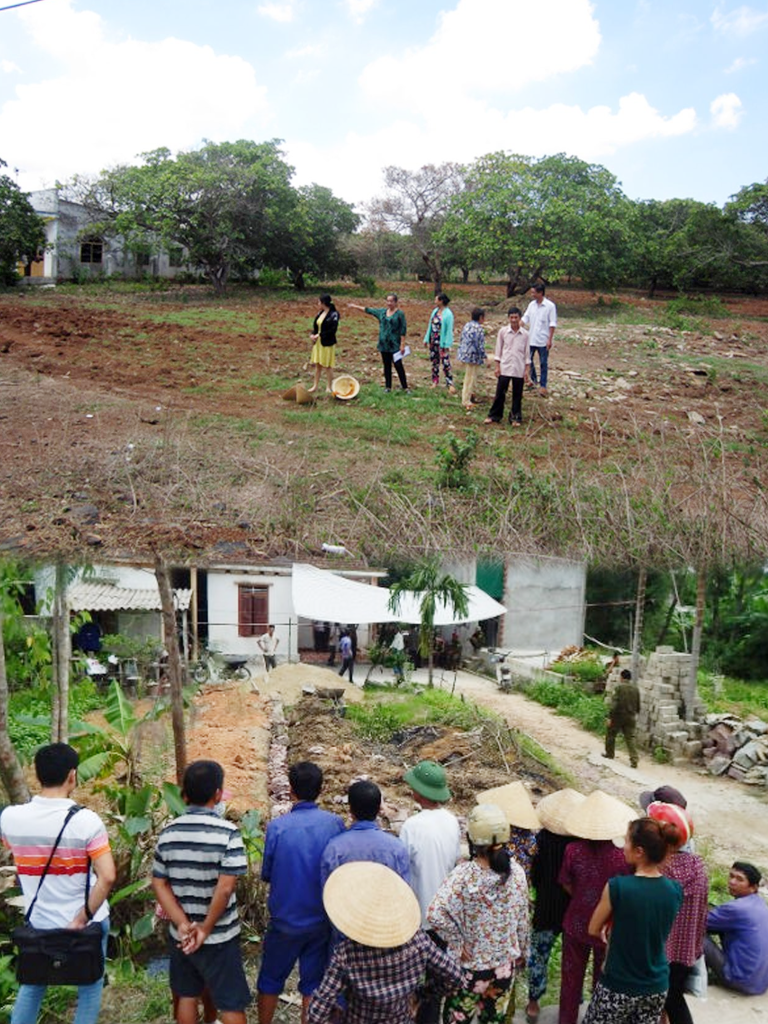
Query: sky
[(670, 95)]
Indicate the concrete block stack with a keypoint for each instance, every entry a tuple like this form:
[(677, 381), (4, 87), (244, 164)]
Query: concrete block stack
[(662, 722)]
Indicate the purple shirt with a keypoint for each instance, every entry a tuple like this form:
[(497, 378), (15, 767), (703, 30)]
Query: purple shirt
[(364, 840), (587, 866), (743, 924)]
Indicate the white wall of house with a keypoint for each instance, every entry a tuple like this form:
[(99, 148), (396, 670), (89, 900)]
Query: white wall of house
[(545, 600), (65, 226), (223, 611)]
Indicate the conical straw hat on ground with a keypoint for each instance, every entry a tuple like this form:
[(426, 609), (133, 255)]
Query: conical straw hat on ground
[(513, 799), (600, 817), (371, 904), (303, 396), (555, 808)]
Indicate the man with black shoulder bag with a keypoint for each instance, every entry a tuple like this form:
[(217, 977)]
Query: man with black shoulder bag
[(66, 871)]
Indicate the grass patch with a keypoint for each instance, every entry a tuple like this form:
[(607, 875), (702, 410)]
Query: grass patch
[(570, 700), (722, 694), (386, 710)]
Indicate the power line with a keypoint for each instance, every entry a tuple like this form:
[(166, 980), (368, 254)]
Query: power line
[(25, 3)]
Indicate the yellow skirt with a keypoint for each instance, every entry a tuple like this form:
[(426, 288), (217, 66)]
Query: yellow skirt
[(325, 355)]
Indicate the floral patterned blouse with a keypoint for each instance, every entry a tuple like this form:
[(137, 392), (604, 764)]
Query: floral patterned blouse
[(472, 344), (482, 916)]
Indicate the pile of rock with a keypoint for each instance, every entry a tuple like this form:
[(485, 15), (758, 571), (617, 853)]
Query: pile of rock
[(737, 748)]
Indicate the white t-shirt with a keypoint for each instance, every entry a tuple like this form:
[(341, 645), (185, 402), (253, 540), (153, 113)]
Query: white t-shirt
[(538, 319), (268, 643), (433, 840), (29, 831)]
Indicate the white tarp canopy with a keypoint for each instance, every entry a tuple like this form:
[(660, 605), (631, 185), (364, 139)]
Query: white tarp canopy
[(327, 597)]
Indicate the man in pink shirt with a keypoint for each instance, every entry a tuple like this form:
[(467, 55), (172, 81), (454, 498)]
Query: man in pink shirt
[(512, 363)]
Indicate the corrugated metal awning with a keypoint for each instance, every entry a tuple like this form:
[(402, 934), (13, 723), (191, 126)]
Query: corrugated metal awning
[(103, 597)]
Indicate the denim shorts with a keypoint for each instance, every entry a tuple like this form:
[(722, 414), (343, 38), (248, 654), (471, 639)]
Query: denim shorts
[(217, 967), (281, 951)]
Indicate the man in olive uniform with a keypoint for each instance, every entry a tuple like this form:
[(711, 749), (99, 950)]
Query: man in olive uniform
[(625, 704)]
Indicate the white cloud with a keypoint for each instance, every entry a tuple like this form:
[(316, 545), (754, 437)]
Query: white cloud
[(312, 50), (739, 64), (284, 11), (120, 97), (8, 67), (741, 21), (358, 9), (464, 52), (353, 167), (726, 110)]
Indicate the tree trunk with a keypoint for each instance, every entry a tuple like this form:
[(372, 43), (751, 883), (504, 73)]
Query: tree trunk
[(11, 775), (61, 650), (431, 666), (701, 596), (667, 621), (298, 281), (465, 275), (174, 665), (637, 637)]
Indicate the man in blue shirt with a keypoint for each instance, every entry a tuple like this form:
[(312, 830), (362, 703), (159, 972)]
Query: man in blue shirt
[(298, 927), (364, 840), (741, 962)]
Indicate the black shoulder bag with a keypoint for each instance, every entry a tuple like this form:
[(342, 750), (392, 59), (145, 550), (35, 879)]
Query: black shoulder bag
[(59, 956)]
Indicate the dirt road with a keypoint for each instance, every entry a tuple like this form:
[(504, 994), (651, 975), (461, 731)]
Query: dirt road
[(731, 819)]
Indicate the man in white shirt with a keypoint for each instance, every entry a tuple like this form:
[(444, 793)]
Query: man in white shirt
[(512, 361), (432, 838), (268, 643), (541, 320)]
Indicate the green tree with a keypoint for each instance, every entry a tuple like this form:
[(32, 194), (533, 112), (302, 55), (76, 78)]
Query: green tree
[(22, 234), (539, 219), (431, 587), (318, 226), (226, 204), (750, 204)]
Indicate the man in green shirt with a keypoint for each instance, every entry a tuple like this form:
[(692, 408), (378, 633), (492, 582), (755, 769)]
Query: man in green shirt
[(625, 704)]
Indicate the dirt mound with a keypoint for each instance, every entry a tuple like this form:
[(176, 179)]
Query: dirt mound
[(288, 682)]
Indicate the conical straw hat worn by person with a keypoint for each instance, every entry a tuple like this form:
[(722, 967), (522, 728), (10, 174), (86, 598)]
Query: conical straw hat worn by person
[(600, 816), (370, 904), (555, 808), (513, 799)]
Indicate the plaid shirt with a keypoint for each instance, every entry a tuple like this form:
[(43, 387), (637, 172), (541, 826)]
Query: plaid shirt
[(686, 940), (380, 984)]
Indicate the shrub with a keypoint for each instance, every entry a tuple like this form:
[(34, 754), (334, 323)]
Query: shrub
[(454, 455)]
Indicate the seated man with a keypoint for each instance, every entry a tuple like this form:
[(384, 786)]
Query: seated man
[(742, 961)]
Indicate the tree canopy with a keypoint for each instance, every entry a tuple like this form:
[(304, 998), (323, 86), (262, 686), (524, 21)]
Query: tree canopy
[(22, 234), (539, 219), (230, 205)]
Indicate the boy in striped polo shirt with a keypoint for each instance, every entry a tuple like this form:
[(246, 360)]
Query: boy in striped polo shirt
[(29, 831), (198, 859)]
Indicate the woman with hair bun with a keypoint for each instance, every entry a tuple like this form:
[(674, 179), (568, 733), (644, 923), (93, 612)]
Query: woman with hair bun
[(637, 911), (481, 913), (685, 944), (323, 336)]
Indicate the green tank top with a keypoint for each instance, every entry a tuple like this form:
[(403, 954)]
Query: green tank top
[(643, 912)]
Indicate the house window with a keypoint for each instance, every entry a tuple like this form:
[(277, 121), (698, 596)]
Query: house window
[(90, 252), (143, 259), (253, 610), (176, 256)]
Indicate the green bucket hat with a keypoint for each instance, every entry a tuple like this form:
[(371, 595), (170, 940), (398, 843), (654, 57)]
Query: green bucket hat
[(428, 780)]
